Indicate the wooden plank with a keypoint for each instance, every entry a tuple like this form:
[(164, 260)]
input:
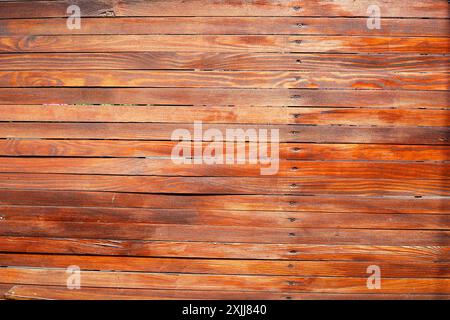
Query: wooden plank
[(287, 133), (27, 292), (224, 43), (438, 205), (219, 250), (243, 115), (167, 167), (174, 232), (232, 267), (223, 282), (226, 185), (224, 61), (143, 231), (226, 79), (211, 97), (294, 151), (227, 218), (226, 26), (89, 8)]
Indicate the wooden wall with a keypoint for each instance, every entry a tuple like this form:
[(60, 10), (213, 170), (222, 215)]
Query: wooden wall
[(86, 179)]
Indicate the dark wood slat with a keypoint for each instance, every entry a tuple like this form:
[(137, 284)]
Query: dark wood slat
[(226, 25), (226, 185), (287, 133), (89, 8), (223, 282), (143, 231), (232, 202), (232, 267), (224, 43), (243, 115), (225, 79), (298, 151), (310, 252), (166, 167), (227, 218), (27, 292), (224, 61), (211, 97)]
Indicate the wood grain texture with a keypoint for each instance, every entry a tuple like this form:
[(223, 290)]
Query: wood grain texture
[(224, 61), (438, 205), (293, 151), (228, 218), (34, 292), (144, 231), (226, 185), (25, 9), (211, 97), (226, 26), (224, 43), (87, 118), (287, 133), (167, 167), (223, 282), (227, 115), (225, 79), (235, 250), (232, 267)]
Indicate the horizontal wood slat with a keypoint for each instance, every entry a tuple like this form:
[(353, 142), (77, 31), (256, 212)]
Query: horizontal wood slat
[(247, 267), (167, 167), (294, 151), (343, 203), (310, 252), (228, 218), (142, 231), (287, 133), (225, 43), (211, 97), (226, 185), (223, 282), (226, 25), (242, 115), (224, 61), (34, 292), (225, 79), (89, 8)]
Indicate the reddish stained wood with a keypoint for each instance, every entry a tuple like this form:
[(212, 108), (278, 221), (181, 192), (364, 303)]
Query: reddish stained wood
[(287, 133), (225, 61), (438, 205), (297, 151), (227, 218), (224, 43), (237, 97), (227, 185), (27, 292), (226, 26), (176, 232), (89, 8), (198, 249), (223, 282), (167, 167), (232, 267), (225, 79), (229, 115)]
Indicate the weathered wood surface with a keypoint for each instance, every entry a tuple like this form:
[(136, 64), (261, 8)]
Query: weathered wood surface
[(87, 179)]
